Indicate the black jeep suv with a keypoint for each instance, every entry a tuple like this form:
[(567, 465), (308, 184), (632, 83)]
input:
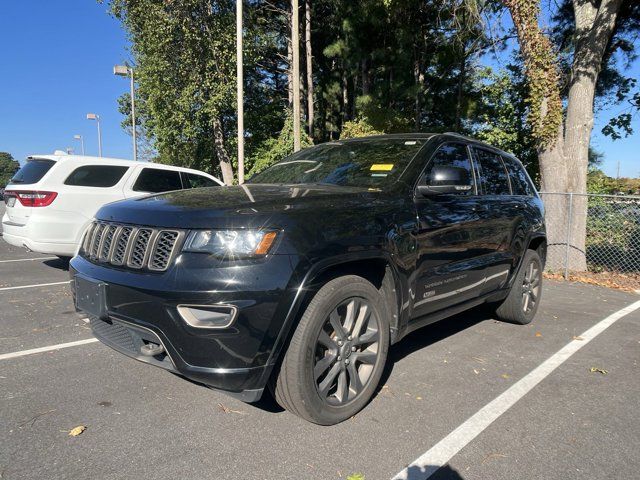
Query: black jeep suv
[(301, 279)]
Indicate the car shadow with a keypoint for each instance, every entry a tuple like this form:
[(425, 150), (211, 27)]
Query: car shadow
[(433, 472), (58, 263), (417, 340), (430, 334)]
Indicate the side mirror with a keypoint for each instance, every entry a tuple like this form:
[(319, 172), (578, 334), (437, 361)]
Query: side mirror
[(445, 180)]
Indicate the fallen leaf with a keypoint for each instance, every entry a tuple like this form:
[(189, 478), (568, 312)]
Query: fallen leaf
[(418, 398), (598, 370), (578, 338), (229, 410), (538, 334), (74, 432), (355, 476), (493, 455), (505, 375)]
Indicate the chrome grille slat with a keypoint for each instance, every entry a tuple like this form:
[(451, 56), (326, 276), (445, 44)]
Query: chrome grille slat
[(163, 249), (138, 253), (107, 242), (135, 247), (96, 240), (122, 242)]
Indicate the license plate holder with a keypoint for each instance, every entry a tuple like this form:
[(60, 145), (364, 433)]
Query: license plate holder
[(91, 297)]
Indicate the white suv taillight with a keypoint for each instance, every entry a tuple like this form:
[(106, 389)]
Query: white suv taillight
[(33, 198)]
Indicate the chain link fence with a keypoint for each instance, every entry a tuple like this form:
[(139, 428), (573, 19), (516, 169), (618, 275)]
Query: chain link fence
[(612, 240)]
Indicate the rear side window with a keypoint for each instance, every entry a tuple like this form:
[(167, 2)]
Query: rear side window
[(154, 180), (32, 171), (493, 174), (192, 180), (102, 176), (520, 182), (452, 155)]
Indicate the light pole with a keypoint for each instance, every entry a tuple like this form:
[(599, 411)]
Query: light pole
[(79, 137), (123, 71), (96, 117)]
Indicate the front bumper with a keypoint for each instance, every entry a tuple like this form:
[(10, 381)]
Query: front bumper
[(141, 308)]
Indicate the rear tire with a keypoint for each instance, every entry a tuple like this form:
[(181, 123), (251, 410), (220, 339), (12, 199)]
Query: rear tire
[(337, 353), (521, 304)]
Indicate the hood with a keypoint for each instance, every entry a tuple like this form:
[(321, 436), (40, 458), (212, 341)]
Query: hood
[(246, 206)]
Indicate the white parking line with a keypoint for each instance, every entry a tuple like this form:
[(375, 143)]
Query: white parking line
[(59, 346), (28, 259), (437, 456), (33, 286)]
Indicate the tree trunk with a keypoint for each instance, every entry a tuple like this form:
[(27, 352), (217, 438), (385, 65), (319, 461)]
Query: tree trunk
[(345, 94), (594, 27), (309, 60), (564, 162), (366, 80), (461, 80), (221, 152), (289, 62)]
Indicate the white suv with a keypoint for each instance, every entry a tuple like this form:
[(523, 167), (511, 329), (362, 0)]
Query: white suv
[(52, 198)]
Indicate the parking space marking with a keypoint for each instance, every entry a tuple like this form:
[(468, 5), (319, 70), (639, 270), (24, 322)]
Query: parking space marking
[(34, 286), (22, 353), (28, 259), (439, 455)]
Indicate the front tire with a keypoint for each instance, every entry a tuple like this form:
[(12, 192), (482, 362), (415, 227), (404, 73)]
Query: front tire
[(523, 300), (337, 353)]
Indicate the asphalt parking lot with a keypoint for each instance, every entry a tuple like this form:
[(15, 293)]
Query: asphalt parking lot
[(142, 422)]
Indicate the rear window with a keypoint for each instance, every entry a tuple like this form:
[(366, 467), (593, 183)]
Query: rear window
[(154, 180), (520, 182), (193, 180), (493, 174), (102, 176), (32, 171)]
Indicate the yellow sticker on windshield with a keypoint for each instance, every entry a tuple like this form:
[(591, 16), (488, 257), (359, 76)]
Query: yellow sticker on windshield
[(381, 167)]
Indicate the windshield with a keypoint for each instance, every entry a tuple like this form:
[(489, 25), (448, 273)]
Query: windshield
[(371, 163), (32, 171)]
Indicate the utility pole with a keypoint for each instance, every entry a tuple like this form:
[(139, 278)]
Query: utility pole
[(240, 85), (295, 43)]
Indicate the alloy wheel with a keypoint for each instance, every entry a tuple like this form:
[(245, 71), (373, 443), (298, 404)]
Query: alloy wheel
[(346, 351), (530, 287)]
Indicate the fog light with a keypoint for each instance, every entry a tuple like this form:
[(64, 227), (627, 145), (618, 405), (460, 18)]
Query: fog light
[(208, 316)]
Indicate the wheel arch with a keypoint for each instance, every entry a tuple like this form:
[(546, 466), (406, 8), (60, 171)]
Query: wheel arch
[(539, 244), (376, 267)]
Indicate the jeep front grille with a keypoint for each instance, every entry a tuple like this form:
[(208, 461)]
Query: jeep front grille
[(136, 247)]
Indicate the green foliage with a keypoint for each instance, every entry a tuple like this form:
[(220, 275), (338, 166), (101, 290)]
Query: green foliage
[(359, 127), (275, 149), (8, 168), (356, 476), (599, 182), (500, 117), (184, 56)]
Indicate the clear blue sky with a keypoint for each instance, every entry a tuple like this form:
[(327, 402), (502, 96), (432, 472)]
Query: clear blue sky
[(58, 58)]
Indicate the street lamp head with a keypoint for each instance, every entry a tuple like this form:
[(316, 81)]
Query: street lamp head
[(78, 137), (121, 70), (92, 116)]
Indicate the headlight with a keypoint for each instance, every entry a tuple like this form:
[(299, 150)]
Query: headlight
[(230, 243)]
